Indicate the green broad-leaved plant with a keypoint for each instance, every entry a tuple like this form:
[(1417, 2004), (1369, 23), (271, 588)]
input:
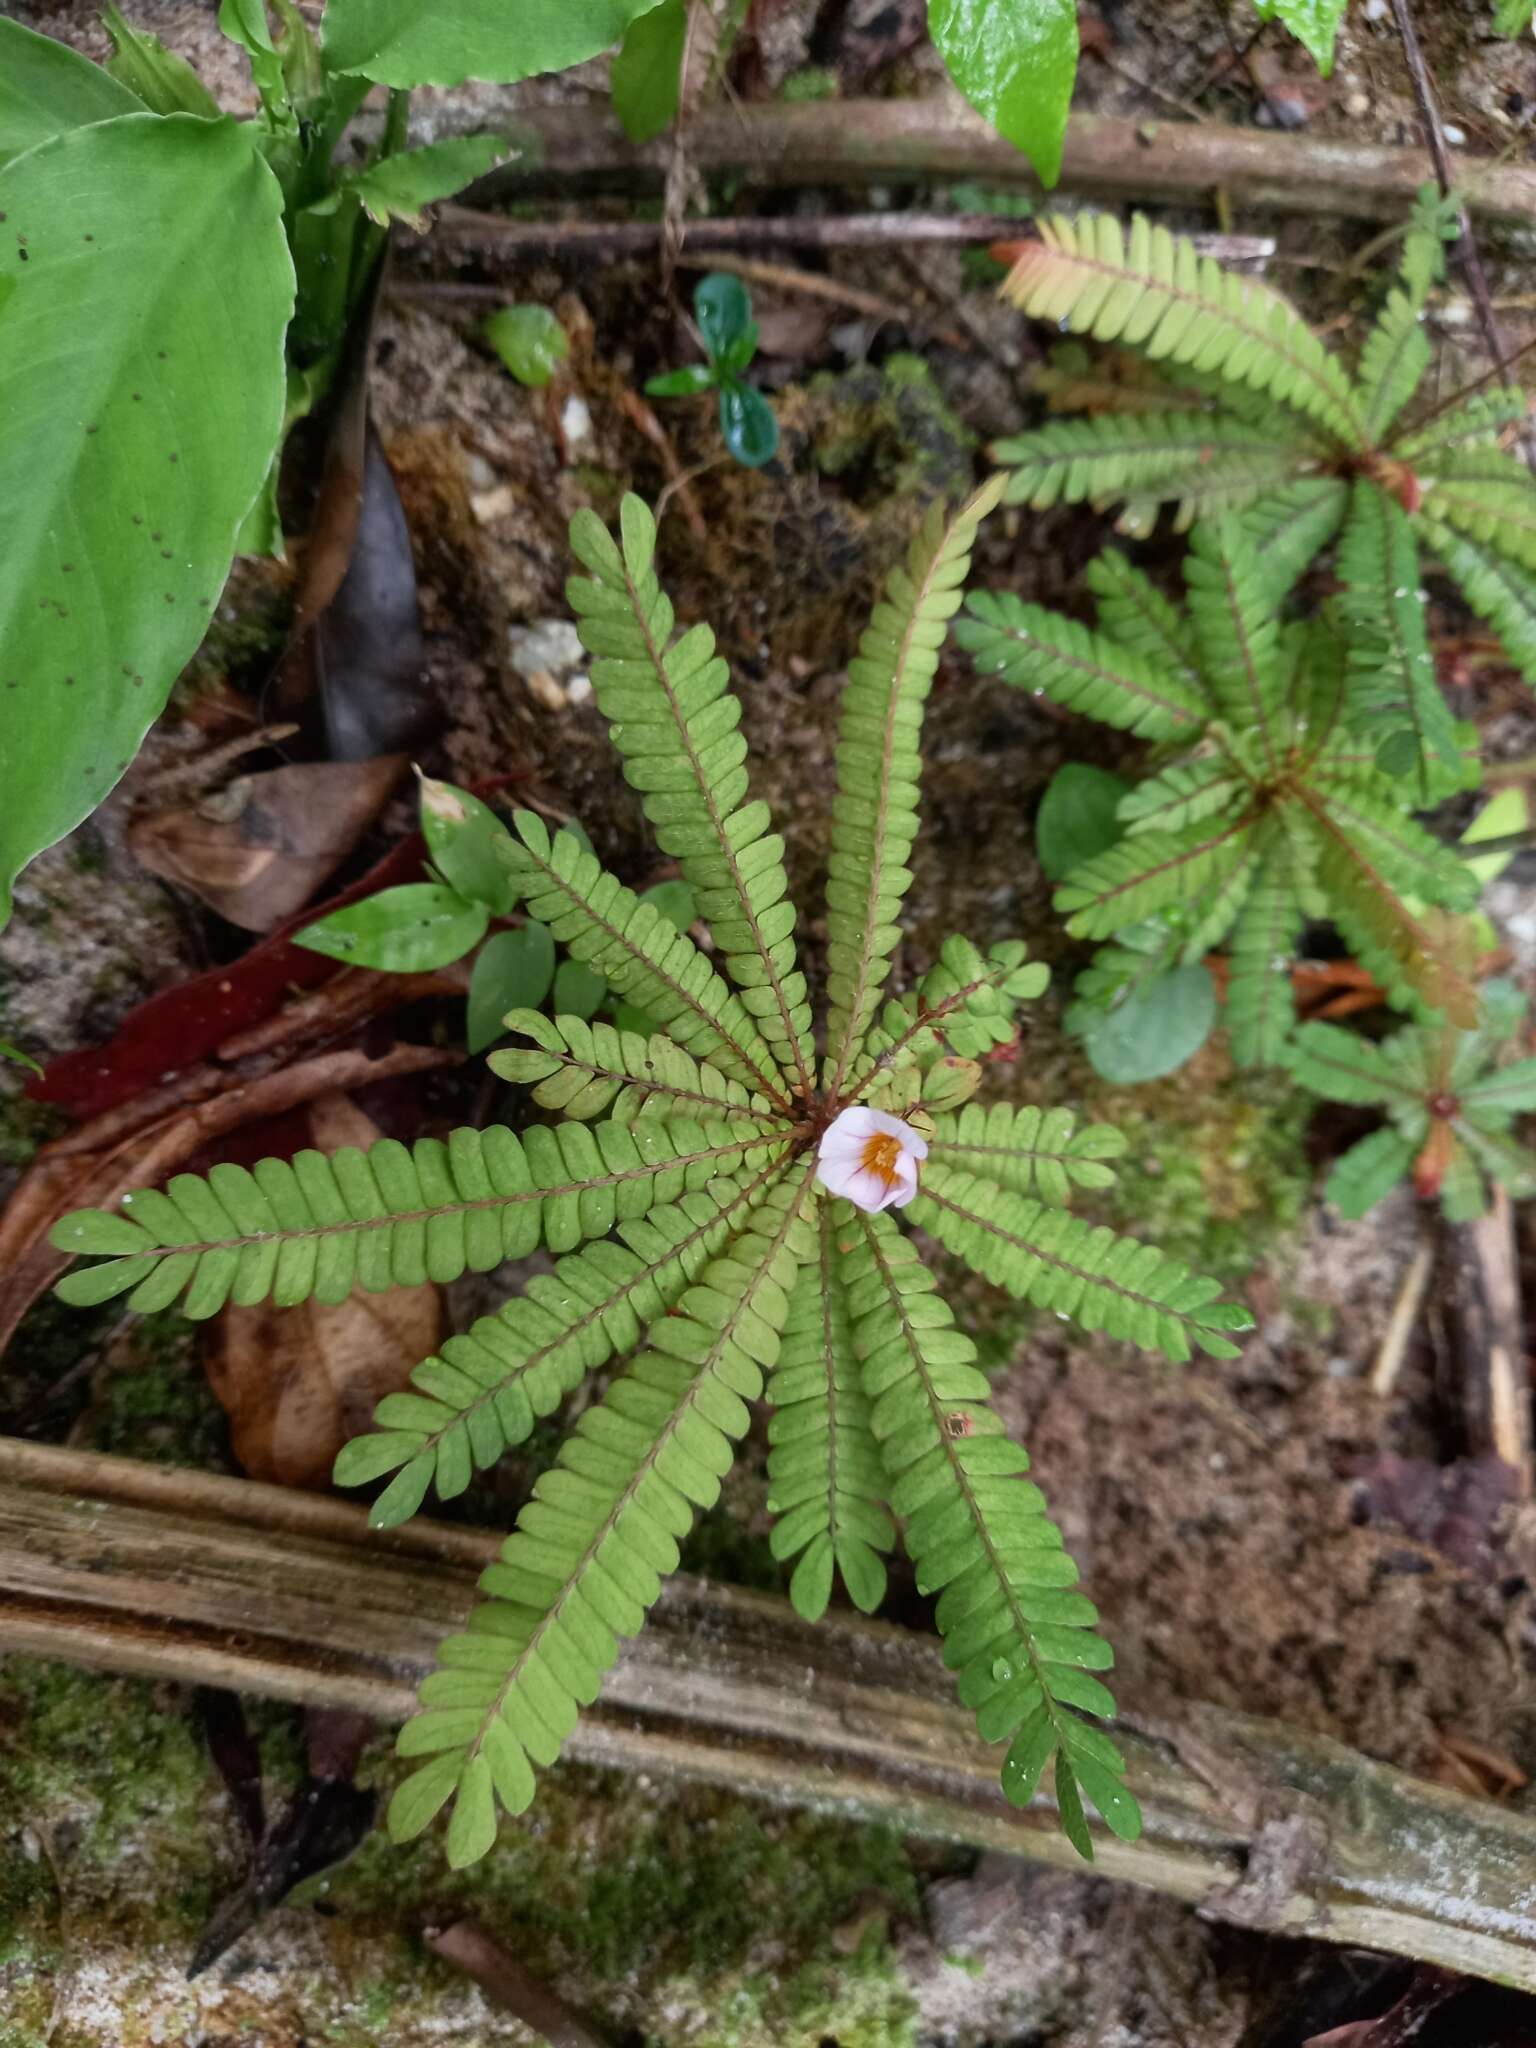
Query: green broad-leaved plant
[(1265, 806), (177, 288), (1450, 1098), (1248, 410), (700, 1263)]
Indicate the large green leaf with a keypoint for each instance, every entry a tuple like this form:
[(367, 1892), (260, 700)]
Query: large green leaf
[(145, 288), (1313, 22), (403, 42), (46, 88), (648, 71), (1015, 61)]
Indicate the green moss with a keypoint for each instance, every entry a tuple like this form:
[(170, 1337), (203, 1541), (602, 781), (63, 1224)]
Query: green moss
[(1216, 1172), (731, 1908), (815, 82), (158, 1404), (888, 432), (116, 1783)]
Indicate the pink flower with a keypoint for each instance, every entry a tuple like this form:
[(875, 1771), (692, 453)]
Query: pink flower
[(871, 1158)]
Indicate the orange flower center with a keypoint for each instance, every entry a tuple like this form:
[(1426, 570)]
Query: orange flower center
[(881, 1153)]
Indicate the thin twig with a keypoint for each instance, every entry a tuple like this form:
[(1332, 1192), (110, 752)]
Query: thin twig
[(749, 231), (508, 1983), (1404, 1319), (1467, 249)]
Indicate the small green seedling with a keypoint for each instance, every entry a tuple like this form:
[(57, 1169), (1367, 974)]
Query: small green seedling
[(420, 926), (723, 309), (1450, 1098)]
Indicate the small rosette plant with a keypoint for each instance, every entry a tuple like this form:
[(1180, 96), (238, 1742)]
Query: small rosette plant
[(1450, 1099), (718, 1198)]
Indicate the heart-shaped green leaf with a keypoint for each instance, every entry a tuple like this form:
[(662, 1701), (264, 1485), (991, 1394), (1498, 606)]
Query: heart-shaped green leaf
[(145, 288), (1015, 61)]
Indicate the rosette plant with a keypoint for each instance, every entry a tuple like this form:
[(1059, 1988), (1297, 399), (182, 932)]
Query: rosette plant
[(718, 1197)]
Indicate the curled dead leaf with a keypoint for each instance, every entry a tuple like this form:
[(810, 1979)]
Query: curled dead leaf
[(257, 850)]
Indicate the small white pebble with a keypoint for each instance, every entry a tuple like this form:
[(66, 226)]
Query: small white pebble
[(1357, 105), (492, 505), (1455, 136), (576, 422), (543, 688), (1377, 10), (578, 689)]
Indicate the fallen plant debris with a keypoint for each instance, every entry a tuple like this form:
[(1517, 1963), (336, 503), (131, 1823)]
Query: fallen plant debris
[(256, 851)]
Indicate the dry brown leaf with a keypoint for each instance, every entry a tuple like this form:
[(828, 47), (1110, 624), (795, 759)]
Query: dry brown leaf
[(256, 851), (296, 1383)]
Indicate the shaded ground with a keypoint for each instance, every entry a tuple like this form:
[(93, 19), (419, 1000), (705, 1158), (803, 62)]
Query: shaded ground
[(1216, 1511)]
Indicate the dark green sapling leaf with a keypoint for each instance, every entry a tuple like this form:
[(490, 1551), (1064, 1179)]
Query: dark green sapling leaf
[(529, 340), (685, 383), (512, 971), (647, 72), (461, 835), (409, 930), (145, 274), (1077, 819), (46, 88), (1015, 61), (723, 309), (747, 424), (578, 991), (1159, 1025)]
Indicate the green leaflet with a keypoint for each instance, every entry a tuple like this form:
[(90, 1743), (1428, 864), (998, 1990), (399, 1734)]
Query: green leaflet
[(826, 1483), (486, 1389), (1393, 681), (589, 1551), (675, 720), (585, 1069), (874, 815), (390, 1216), (1313, 22), (1015, 1633), (1035, 649), (1030, 1150), (1153, 290), (1201, 464), (647, 72), (1151, 872), (638, 951), (1055, 1260)]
